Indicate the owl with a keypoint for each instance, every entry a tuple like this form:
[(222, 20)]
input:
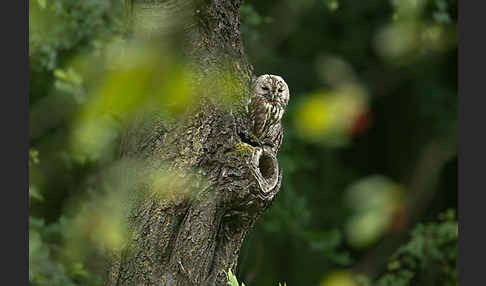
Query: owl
[(267, 105)]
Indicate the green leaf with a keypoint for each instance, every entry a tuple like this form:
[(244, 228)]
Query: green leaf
[(34, 193), (59, 73), (232, 280), (33, 156), (394, 265), (42, 3)]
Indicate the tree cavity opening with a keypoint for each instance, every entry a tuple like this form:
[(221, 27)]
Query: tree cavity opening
[(267, 168)]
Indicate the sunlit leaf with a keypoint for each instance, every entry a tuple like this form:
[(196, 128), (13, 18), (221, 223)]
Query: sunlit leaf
[(339, 278), (42, 3), (328, 116), (332, 5), (375, 199), (34, 193)]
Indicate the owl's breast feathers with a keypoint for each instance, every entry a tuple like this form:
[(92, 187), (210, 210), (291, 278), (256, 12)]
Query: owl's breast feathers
[(265, 115), (259, 113)]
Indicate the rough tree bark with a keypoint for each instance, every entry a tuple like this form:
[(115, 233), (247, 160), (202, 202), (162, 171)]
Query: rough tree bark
[(191, 239)]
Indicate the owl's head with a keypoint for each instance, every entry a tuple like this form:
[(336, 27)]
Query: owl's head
[(273, 88)]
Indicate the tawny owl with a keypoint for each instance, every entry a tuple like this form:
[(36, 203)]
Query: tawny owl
[(268, 103)]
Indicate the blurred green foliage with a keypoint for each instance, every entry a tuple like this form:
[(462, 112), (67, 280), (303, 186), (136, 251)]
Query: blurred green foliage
[(349, 157), (431, 248), (372, 83), (46, 267)]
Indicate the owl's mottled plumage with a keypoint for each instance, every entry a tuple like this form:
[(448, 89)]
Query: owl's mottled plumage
[(268, 103)]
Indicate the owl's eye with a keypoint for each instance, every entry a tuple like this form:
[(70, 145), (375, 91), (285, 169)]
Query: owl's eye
[(264, 88)]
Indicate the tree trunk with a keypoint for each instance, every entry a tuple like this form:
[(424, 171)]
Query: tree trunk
[(224, 181)]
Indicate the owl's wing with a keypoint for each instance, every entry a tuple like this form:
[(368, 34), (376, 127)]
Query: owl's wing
[(279, 137), (259, 107)]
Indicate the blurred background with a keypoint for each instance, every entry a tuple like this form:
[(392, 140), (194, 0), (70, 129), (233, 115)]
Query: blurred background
[(369, 192)]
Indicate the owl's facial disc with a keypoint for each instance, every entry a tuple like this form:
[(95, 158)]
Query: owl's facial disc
[(266, 89), (273, 88)]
